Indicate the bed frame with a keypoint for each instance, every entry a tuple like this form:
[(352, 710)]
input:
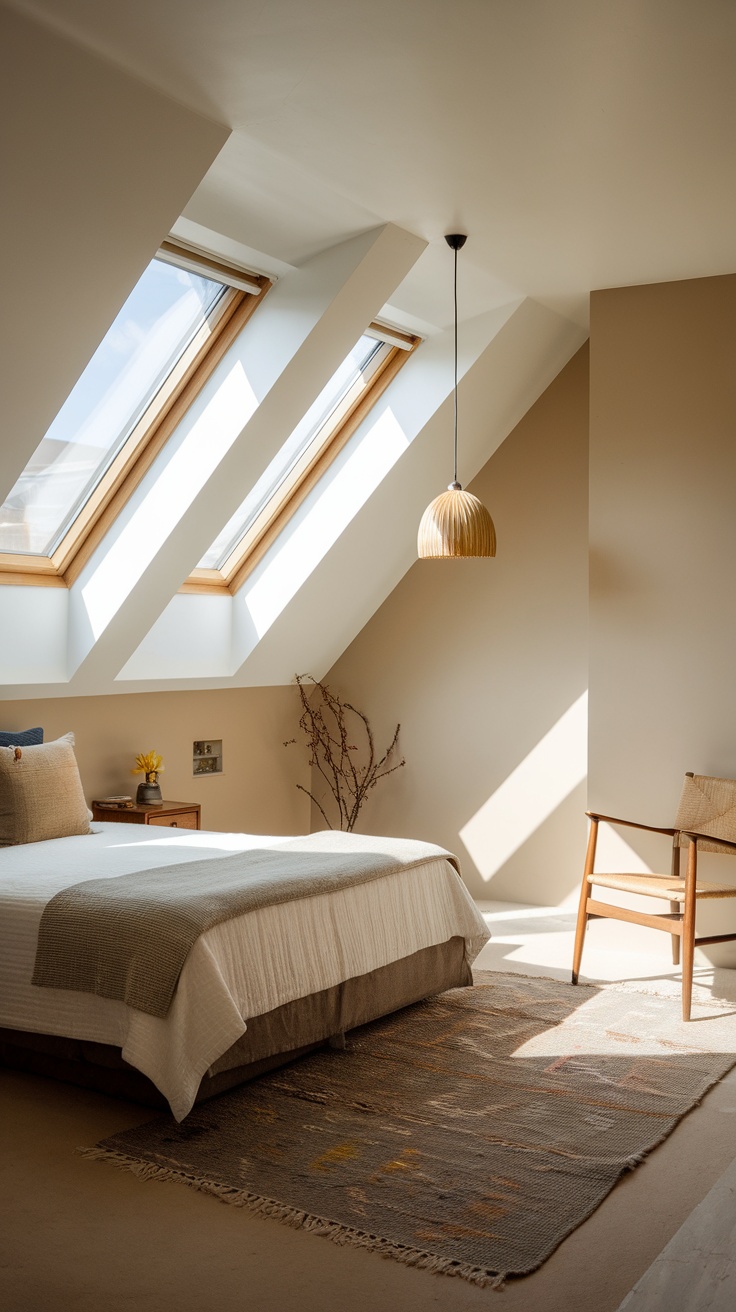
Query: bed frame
[(271, 1040)]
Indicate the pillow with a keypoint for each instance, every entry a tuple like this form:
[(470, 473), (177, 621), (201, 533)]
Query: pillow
[(20, 737), (41, 793)]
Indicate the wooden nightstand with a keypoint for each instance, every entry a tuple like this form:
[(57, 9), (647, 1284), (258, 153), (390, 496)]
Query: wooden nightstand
[(172, 815)]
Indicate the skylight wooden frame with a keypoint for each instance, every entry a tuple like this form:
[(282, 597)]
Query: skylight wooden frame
[(308, 469), (155, 426)]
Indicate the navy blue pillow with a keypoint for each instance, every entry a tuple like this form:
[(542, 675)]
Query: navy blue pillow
[(21, 738)]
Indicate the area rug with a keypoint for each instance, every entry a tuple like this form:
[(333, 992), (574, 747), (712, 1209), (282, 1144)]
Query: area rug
[(468, 1134)]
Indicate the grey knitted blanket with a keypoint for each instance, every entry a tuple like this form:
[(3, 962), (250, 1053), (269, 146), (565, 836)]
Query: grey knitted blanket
[(127, 937)]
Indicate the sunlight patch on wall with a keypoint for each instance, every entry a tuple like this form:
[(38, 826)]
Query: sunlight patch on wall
[(531, 793), (175, 487), (313, 531)]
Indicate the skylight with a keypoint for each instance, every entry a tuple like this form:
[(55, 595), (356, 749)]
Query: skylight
[(161, 320), (313, 444), (349, 374)]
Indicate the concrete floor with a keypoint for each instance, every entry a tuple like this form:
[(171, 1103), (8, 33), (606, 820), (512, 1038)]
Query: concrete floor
[(696, 1272), (79, 1234)]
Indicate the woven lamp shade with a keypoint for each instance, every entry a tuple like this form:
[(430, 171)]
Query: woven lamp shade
[(454, 525)]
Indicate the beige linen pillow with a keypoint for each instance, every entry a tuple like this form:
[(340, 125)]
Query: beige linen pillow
[(41, 793)]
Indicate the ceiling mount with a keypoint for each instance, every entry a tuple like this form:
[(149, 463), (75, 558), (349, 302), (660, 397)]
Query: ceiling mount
[(455, 240)]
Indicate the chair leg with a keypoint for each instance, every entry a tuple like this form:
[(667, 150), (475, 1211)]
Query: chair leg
[(580, 928), (688, 954), (688, 932), (582, 921), (675, 907)]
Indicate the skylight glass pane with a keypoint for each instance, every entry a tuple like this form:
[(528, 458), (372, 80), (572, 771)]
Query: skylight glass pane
[(159, 320), (314, 421)]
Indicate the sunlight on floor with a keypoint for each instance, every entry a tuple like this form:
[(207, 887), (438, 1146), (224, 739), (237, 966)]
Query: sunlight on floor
[(535, 940)]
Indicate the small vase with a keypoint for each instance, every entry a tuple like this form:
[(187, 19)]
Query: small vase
[(149, 793)]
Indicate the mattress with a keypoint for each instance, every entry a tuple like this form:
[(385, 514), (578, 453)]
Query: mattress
[(242, 968)]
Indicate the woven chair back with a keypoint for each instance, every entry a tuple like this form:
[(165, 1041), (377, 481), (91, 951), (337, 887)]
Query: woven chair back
[(708, 805)]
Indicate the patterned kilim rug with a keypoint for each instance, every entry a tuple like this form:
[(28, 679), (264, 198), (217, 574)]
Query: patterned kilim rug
[(468, 1134)]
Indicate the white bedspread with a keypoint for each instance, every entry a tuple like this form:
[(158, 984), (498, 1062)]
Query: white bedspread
[(238, 969)]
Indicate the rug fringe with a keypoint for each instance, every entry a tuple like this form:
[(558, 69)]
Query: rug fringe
[(635, 1160), (298, 1220)]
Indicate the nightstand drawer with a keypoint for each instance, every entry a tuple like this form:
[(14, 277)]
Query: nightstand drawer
[(169, 815), (182, 820)]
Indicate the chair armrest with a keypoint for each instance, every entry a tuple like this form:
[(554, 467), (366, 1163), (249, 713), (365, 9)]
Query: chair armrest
[(634, 824), (708, 838)]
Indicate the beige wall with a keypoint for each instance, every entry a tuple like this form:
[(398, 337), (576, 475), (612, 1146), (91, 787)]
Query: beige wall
[(663, 547), (480, 659), (662, 540), (256, 792)]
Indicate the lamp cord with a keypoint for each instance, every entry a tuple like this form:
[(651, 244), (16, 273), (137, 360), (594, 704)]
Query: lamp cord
[(455, 444)]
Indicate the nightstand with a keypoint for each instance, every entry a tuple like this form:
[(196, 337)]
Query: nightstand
[(172, 815)]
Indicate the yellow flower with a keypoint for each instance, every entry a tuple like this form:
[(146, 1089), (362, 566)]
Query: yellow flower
[(147, 763)]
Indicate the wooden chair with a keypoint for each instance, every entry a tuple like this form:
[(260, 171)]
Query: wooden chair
[(705, 822)]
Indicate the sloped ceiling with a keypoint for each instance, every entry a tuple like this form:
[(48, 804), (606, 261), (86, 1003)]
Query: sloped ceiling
[(580, 143)]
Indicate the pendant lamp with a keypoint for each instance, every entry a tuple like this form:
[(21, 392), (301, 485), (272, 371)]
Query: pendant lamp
[(456, 523)]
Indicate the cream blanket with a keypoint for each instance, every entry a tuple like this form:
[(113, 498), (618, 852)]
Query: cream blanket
[(128, 938)]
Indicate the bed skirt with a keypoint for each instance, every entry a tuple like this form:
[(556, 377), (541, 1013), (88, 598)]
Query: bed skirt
[(271, 1040)]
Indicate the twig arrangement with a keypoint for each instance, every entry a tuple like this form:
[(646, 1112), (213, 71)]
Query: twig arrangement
[(326, 723)]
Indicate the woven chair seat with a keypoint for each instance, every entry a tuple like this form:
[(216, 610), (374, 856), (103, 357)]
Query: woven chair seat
[(660, 886)]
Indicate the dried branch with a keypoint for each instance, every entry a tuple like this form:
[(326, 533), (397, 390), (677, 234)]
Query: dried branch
[(326, 724)]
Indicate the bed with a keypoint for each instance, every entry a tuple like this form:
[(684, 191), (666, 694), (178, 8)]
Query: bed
[(254, 990)]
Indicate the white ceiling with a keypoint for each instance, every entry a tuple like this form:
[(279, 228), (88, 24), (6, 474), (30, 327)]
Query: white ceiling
[(580, 143)]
